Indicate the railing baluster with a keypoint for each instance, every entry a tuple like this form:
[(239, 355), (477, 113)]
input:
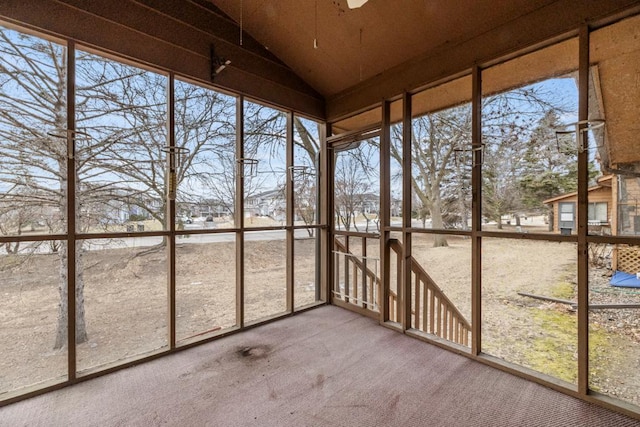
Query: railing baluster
[(439, 320), (347, 281), (445, 331), (432, 308), (354, 272), (416, 310), (364, 270), (337, 284), (392, 308), (399, 286), (424, 306)]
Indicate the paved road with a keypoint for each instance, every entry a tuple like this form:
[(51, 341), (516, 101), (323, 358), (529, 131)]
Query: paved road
[(146, 241)]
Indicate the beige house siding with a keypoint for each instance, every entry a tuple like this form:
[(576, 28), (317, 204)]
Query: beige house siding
[(598, 194)]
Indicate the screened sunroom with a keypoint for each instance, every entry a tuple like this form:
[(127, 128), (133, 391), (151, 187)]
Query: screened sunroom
[(464, 176)]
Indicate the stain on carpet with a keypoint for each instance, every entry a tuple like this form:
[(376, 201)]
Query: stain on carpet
[(254, 352)]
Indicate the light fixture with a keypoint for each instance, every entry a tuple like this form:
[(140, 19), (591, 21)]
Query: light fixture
[(354, 4), (218, 63)]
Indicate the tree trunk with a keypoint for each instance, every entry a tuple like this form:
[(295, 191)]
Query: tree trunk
[(63, 307), (437, 222), (63, 286), (81, 326)]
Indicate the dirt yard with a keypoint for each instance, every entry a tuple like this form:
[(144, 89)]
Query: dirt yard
[(533, 333), (126, 305)]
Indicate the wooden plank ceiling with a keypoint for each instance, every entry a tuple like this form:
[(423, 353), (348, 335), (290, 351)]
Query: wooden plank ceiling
[(354, 45), (343, 53)]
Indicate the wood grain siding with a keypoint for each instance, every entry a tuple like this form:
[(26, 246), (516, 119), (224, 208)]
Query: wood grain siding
[(172, 38)]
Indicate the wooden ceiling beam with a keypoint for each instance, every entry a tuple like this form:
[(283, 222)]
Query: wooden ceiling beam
[(172, 38)]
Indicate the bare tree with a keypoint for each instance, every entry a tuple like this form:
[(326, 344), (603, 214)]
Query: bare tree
[(119, 153), (33, 109), (354, 182), (509, 121), (435, 183), (305, 172)]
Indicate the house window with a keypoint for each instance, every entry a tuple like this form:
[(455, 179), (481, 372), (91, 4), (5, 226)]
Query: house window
[(598, 212)]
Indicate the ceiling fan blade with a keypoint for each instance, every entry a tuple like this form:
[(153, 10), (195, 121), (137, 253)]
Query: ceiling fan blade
[(354, 4)]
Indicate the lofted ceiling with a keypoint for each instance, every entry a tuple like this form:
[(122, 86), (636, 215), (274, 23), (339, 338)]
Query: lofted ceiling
[(355, 45), (339, 51)]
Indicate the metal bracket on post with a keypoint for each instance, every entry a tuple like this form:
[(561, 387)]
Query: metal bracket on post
[(247, 163), (472, 150), (71, 135), (570, 141), (176, 156)]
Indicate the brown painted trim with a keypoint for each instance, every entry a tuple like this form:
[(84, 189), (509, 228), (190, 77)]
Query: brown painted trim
[(385, 203), (476, 212), (322, 258), (239, 213), (289, 176), (583, 184), (71, 212), (407, 135), (171, 214), (327, 190)]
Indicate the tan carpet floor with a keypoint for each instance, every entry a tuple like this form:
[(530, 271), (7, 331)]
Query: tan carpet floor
[(325, 367)]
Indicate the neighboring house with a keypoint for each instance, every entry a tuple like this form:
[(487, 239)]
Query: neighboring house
[(270, 203), (601, 213), (206, 208), (614, 208)]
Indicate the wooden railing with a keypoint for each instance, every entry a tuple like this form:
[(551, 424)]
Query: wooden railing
[(432, 311), (360, 285)]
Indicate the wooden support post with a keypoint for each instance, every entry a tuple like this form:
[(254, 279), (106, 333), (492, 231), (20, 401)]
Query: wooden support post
[(583, 178), (290, 180), (331, 281), (239, 212), (476, 212), (385, 209), (406, 211), (170, 218), (365, 294), (71, 211)]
